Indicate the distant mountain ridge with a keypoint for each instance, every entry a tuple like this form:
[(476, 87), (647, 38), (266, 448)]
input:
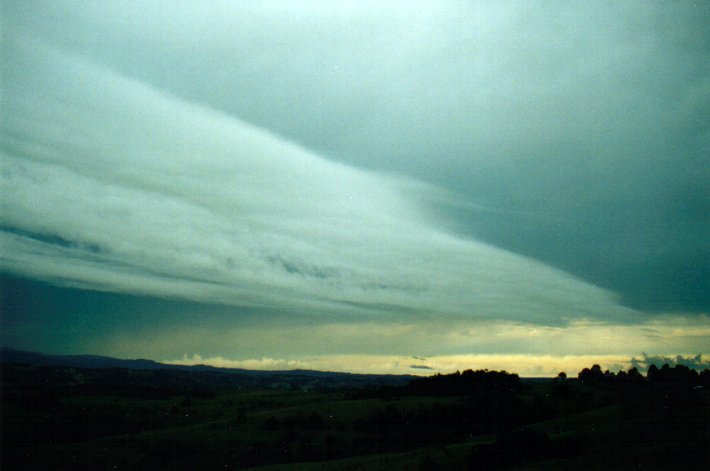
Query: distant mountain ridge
[(12, 355)]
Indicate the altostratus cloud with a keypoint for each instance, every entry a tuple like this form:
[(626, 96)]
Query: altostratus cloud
[(111, 184)]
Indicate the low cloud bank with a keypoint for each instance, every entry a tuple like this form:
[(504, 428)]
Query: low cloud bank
[(530, 366), (696, 362)]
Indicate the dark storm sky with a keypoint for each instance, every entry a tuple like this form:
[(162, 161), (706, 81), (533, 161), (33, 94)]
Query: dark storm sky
[(361, 162)]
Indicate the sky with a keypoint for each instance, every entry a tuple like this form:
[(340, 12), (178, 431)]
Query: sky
[(385, 187)]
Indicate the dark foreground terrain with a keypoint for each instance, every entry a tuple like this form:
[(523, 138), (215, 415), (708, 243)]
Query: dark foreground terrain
[(71, 417)]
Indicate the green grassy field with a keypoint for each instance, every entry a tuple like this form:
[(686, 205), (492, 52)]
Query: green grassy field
[(48, 422)]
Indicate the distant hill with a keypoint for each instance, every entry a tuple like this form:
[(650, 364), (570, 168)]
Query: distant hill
[(296, 378), (11, 355)]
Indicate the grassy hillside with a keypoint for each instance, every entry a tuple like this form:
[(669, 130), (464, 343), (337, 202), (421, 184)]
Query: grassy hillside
[(73, 418)]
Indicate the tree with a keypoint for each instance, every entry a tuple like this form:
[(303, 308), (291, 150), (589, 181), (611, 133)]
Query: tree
[(633, 374), (591, 375)]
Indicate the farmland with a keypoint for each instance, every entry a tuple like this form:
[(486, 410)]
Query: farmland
[(77, 418)]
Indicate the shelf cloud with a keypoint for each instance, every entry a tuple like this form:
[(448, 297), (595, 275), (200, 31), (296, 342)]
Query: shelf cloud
[(114, 185)]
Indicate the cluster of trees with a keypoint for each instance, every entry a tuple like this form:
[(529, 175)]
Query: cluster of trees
[(678, 375), (595, 375), (465, 383)]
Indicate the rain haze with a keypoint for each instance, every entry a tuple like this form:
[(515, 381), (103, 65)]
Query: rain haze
[(389, 187)]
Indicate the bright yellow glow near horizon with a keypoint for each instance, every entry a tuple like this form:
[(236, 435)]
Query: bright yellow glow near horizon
[(524, 365)]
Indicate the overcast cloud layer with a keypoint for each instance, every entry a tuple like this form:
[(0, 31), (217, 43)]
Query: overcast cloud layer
[(362, 172)]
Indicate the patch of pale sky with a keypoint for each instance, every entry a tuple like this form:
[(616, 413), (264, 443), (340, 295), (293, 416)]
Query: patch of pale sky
[(524, 365), (289, 340)]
